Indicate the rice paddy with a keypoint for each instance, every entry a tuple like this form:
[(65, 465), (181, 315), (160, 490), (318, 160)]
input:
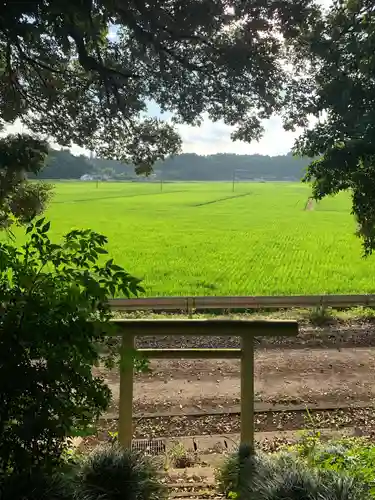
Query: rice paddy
[(205, 239)]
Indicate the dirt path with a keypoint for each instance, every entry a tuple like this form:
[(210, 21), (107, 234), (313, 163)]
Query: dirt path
[(284, 376)]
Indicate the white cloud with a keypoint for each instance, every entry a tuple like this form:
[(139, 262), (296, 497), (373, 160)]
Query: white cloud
[(212, 138)]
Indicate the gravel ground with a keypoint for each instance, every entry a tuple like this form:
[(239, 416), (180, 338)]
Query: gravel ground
[(148, 428), (360, 421), (272, 421), (340, 334)]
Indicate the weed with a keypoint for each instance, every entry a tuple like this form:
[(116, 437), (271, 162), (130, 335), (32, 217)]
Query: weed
[(320, 316), (180, 458)]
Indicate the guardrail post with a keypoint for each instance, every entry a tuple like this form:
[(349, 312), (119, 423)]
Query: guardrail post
[(247, 390), (190, 305), (125, 424)]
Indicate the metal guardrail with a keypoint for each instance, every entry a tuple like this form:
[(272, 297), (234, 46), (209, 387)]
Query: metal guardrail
[(190, 304)]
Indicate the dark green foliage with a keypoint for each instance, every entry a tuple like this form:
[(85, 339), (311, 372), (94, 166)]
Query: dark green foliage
[(284, 477), (184, 167), (37, 485), (67, 77), (53, 317), (114, 473), (64, 165), (339, 80), (221, 167), (21, 201)]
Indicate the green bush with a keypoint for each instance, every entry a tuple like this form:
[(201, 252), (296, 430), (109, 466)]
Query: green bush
[(299, 482), (37, 485), (114, 473), (352, 456), (285, 477), (53, 318)]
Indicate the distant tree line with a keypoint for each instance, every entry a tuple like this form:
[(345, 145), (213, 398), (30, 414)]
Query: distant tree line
[(185, 167), (64, 165), (221, 167)]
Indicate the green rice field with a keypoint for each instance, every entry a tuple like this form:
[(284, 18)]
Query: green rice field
[(204, 239)]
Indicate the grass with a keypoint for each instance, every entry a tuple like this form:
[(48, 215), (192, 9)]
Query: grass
[(203, 239)]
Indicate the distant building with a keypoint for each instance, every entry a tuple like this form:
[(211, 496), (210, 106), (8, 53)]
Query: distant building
[(86, 177)]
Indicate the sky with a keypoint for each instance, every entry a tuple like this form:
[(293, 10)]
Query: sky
[(212, 138)]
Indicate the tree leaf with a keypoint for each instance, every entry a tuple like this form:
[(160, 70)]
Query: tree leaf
[(46, 227)]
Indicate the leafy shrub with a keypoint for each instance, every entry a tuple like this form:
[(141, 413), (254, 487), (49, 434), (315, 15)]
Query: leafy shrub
[(283, 476), (20, 200), (114, 473), (37, 486), (52, 322), (352, 456)]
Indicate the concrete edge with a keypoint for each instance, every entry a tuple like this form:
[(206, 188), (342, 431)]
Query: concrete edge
[(220, 443), (259, 407)]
